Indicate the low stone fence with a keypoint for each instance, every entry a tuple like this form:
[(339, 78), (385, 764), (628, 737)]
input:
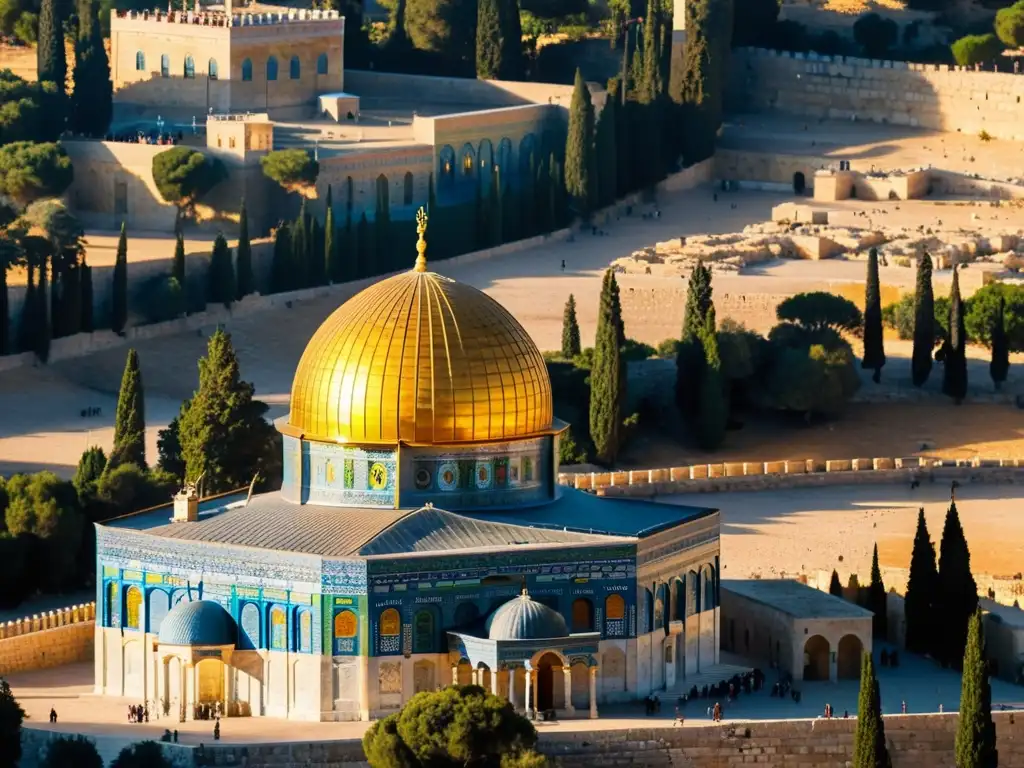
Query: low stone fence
[(798, 473), (38, 622)]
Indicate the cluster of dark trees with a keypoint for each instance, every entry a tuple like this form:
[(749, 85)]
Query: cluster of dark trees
[(46, 533)]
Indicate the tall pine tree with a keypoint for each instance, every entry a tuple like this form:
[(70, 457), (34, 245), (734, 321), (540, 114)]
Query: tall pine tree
[(714, 411), (954, 359), (920, 602), (957, 592), (869, 749), (92, 99), (579, 149), (570, 330), (606, 377), (690, 357), (606, 151), (976, 733), (119, 300), (244, 285), (835, 587), (1000, 365), (332, 251), (488, 39), (178, 261), (281, 261), (874, 349), (511, 42), (877, 598), (299, 277), (924, 322), (130, 420), (220, 274), (51, 59)]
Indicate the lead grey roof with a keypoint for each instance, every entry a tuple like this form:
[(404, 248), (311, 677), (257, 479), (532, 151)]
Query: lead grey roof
[(795, 599), (269, 521)]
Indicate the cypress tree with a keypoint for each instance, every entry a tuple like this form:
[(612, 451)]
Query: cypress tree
[(71, 299), (957, 592), (835, 587), (27, 315), (299, 277), (130, 420), (924, 322), (605, 149), (220, 275), (178, 262), (86, 285), (869, 749), (318, 264), (874, 349), (332, 253), (5, 313), (90, 466), (877, 598), (954, 362), (41, 330), (579, 149), (976, 733), (920, 601), (51, 59), (11, 718), (606, 378), (1000, 365), (490, 215), (119, 302), (281, 262), (511, 41), (243, 255), (489, 43), (556, 193), (714, 412), (570, 330), (690, 357), (92, 98)]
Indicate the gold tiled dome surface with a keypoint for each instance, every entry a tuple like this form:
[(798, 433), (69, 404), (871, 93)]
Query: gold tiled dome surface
[(422, 359)]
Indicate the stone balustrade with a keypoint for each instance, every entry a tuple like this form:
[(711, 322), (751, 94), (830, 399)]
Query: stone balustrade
[(214, 19), (76, 614), (758, 475)]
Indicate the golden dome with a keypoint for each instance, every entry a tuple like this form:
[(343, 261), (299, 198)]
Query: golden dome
[(420, 359)]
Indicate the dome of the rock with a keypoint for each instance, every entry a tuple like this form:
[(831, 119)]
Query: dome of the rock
[(420, 359)]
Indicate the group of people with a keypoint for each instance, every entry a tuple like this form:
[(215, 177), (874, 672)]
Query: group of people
[(90, 412), (652, 704), (138, 713), (747, 683), (207, 711), (146, 138)]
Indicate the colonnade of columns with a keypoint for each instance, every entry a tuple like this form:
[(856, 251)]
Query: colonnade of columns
[(530, 703)]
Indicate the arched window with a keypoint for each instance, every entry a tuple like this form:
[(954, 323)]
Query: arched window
[(423, 632), (140, 61), (648, 611), (468, 160), (158, 603), (113, 608), (272, 68), (304, 630), (407, 189), (345, 625), (250, 627), (294, 68), (247, 71), (504, 159), (165, 66), (582, 615), (321, 64), (133, 608), (708, 588), (190, 68), (383, 195), (659, 607), (466, 613), (211, 69), (389, 628), (692, 593), (278, 629)]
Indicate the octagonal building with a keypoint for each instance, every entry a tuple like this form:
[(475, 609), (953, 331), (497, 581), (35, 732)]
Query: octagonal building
[(420, 538)]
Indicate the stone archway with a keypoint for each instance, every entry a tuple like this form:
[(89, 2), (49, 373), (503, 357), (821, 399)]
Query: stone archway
[(816, 651), (849, 657), (209, 681), (548, 666)]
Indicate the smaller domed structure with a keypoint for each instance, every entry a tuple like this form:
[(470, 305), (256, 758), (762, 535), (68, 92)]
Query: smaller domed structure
[(522, 618), (201, 622)]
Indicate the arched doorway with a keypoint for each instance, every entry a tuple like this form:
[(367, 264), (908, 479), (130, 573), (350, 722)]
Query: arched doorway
[(210, 681), (816, 652), (849, 656), (546, 681), (799, 183)]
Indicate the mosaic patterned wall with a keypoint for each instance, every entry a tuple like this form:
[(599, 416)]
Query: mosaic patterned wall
[(341, 475), (478, 477)]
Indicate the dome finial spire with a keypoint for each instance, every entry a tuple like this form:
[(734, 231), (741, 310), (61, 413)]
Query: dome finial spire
[(421, 244)]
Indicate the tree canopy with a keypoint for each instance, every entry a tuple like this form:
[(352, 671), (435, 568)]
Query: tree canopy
[(820, 310), (31, 171), (68, 751), (183, 175), (1009, 25), (294, 169), (11, 718)]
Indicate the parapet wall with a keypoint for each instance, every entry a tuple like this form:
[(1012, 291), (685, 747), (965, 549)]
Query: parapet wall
[(380, 86), (48, 640), (934, 96), (790, 473)]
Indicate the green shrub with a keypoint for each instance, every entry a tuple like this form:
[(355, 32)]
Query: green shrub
[(875, 35), (975, 49), (1009, 25), (983, 307), (27, 27), (900, 317)]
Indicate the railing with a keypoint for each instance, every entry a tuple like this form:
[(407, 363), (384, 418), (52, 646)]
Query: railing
[(76, 614), (216, 19)]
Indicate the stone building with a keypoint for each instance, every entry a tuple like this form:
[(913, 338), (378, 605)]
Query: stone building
[(420, 537), (195, 62)]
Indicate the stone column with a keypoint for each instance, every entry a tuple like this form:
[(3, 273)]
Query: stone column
[(527, 698), (455, 674), (535, 674), (475, 677), (512, 687), (567, 680), (833, 667), (593, 692), (494, 682)]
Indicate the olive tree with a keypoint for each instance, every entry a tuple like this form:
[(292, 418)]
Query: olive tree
[(183, 175), (294, 169)]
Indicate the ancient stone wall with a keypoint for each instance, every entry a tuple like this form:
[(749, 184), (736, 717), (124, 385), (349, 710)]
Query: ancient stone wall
[(46, 648), (934, 96)]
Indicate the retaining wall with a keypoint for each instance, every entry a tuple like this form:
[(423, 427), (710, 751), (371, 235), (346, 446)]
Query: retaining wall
[(48, 648)]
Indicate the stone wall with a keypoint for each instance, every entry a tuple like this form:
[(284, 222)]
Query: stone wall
[(915, 741), (933, 96), (485, 94), (47, 648), (791, 473)]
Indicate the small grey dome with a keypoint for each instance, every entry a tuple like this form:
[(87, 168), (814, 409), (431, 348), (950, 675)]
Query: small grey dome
[(521, 618), (201, 622)]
